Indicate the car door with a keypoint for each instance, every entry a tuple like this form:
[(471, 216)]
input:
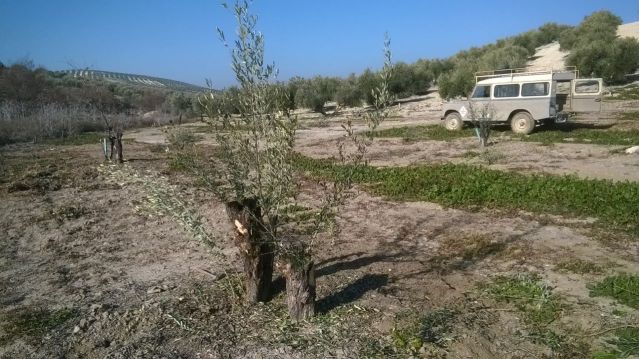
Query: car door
[(586, 95), (478, 101)]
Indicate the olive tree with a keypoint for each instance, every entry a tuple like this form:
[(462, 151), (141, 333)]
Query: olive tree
[(255, 173)]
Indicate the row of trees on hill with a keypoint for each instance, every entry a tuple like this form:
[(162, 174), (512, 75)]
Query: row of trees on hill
[(37, 104), (24, 83), (352, 91), (595, 50), (512, 52)]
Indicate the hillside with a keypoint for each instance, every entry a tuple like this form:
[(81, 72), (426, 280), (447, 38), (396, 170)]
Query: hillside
[(551, 56), (133, 79)]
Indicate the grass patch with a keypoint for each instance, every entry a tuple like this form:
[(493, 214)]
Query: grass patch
[(538, 308), (624, 345), (546, 137), (584, 135), (41, 179), (580, 266), (629, 116), (33, 322), (430, 132), (415, 331), (467, 186), (624, 288), (527, 293), (625, 93), (77, 140)]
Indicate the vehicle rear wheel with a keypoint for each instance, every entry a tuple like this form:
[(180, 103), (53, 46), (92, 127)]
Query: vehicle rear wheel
[(453, 122), (522, 123)]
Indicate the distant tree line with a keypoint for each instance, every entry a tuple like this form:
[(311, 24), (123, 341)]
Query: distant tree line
[(36, 103), (24, 83), (595, 50)]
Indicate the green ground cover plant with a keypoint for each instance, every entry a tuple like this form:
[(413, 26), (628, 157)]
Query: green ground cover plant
[(625, 93), (623, 287), (528, 294), (431, 132), (467, 186), (568, 134)]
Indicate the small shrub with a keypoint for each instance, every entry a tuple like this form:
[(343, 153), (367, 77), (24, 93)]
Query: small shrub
[(435, 326)]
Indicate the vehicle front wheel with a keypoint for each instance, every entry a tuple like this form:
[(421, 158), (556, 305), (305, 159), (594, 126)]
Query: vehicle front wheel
[(522, 123), (453, 122)]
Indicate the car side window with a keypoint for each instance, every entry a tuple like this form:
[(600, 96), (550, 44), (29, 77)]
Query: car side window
[(481, 92), (535, 89), (511, 90), (587, 86)]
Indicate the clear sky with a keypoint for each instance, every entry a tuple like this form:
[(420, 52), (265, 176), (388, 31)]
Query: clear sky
[(177, 39)]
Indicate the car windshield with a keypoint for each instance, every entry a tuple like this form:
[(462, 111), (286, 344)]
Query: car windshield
[(481, 92)]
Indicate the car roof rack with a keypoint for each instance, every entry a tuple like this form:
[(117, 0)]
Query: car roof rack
[(483, 75)]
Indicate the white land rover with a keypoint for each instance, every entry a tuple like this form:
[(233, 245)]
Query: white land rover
[(525, 98)]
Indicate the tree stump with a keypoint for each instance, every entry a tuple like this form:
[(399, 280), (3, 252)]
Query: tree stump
[(118, 146), (300, 288), (256, 248), (111, 145)]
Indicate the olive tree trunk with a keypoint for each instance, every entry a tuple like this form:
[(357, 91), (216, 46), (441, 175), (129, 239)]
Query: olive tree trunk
[(256, 248), (300, 287), (118, 147)]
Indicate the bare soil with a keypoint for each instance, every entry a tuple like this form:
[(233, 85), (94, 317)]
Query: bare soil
[(95, 277)]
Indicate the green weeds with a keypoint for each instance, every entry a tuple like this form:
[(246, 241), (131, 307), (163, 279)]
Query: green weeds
[(430, 132), (538, 308), (85, 138), (624, 345), (414, 331), (625, 93), (33, 322), (584, 135), (624, 288), (536, 301), (570, 133), (466, 186), (580, 266)]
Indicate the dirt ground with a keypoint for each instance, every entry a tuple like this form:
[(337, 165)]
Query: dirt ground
[(85, 274)]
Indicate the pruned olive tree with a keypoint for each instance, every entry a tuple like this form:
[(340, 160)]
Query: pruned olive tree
[(255, 171), (481, 116), (255, 174)]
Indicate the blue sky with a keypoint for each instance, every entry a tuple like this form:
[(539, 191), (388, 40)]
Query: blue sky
[(177, 39)]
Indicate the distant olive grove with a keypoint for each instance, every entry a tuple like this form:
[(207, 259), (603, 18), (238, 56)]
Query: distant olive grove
[(595, 50), (37, 104)]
